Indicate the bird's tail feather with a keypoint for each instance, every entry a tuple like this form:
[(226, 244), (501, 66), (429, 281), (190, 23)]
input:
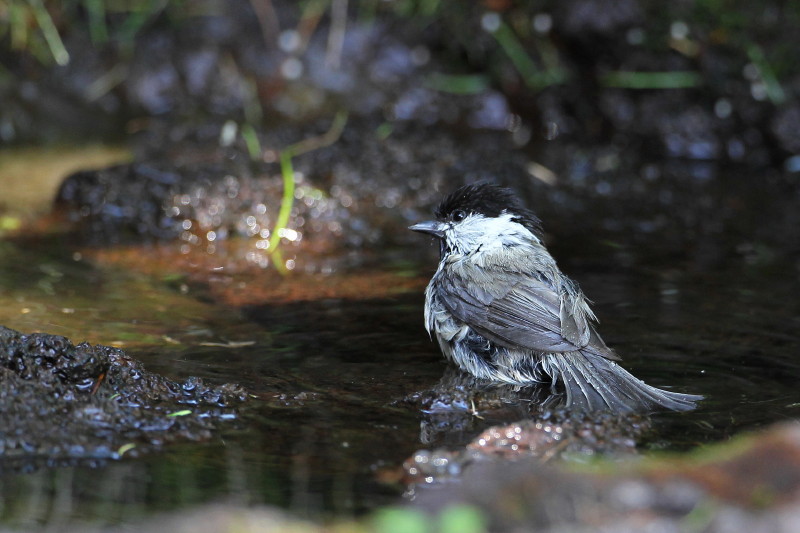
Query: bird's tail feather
[(594, 383)]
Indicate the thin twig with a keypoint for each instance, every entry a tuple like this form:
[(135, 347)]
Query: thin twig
[(267, 21), (333, 55)]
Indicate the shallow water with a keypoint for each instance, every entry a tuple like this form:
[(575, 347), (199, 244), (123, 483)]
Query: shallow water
[(327, 427)]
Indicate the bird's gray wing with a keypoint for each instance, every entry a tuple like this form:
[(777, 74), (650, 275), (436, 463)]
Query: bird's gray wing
[(516, 311)]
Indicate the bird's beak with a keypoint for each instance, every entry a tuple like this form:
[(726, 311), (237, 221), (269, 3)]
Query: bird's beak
[(431, 227)]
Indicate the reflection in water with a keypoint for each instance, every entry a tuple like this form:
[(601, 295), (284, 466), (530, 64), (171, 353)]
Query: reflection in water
[(460, 405), (100, 493)]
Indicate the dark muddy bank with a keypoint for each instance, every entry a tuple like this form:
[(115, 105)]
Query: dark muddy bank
[(64, 404)]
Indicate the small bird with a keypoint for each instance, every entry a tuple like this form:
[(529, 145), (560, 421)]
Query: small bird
[(502, 310)]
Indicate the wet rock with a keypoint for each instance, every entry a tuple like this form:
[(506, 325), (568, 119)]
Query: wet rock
[(118, 200), (560, 433), (753, 484), (64, 403)]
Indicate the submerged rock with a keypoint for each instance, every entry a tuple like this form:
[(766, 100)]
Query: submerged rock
[(462, 409), (65, 403), (461, 406), (547, 436)]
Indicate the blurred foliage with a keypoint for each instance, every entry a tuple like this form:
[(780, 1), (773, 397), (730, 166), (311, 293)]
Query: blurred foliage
[(458, 518), (755, 31), (30, 27), (37, 26), (400, 520)]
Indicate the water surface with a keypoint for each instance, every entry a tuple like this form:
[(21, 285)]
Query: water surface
[(329, 374)]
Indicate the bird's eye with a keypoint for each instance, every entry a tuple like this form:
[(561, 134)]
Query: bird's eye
[(458, 215)]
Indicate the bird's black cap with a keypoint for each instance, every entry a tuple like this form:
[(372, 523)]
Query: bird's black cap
[(489, 200)]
